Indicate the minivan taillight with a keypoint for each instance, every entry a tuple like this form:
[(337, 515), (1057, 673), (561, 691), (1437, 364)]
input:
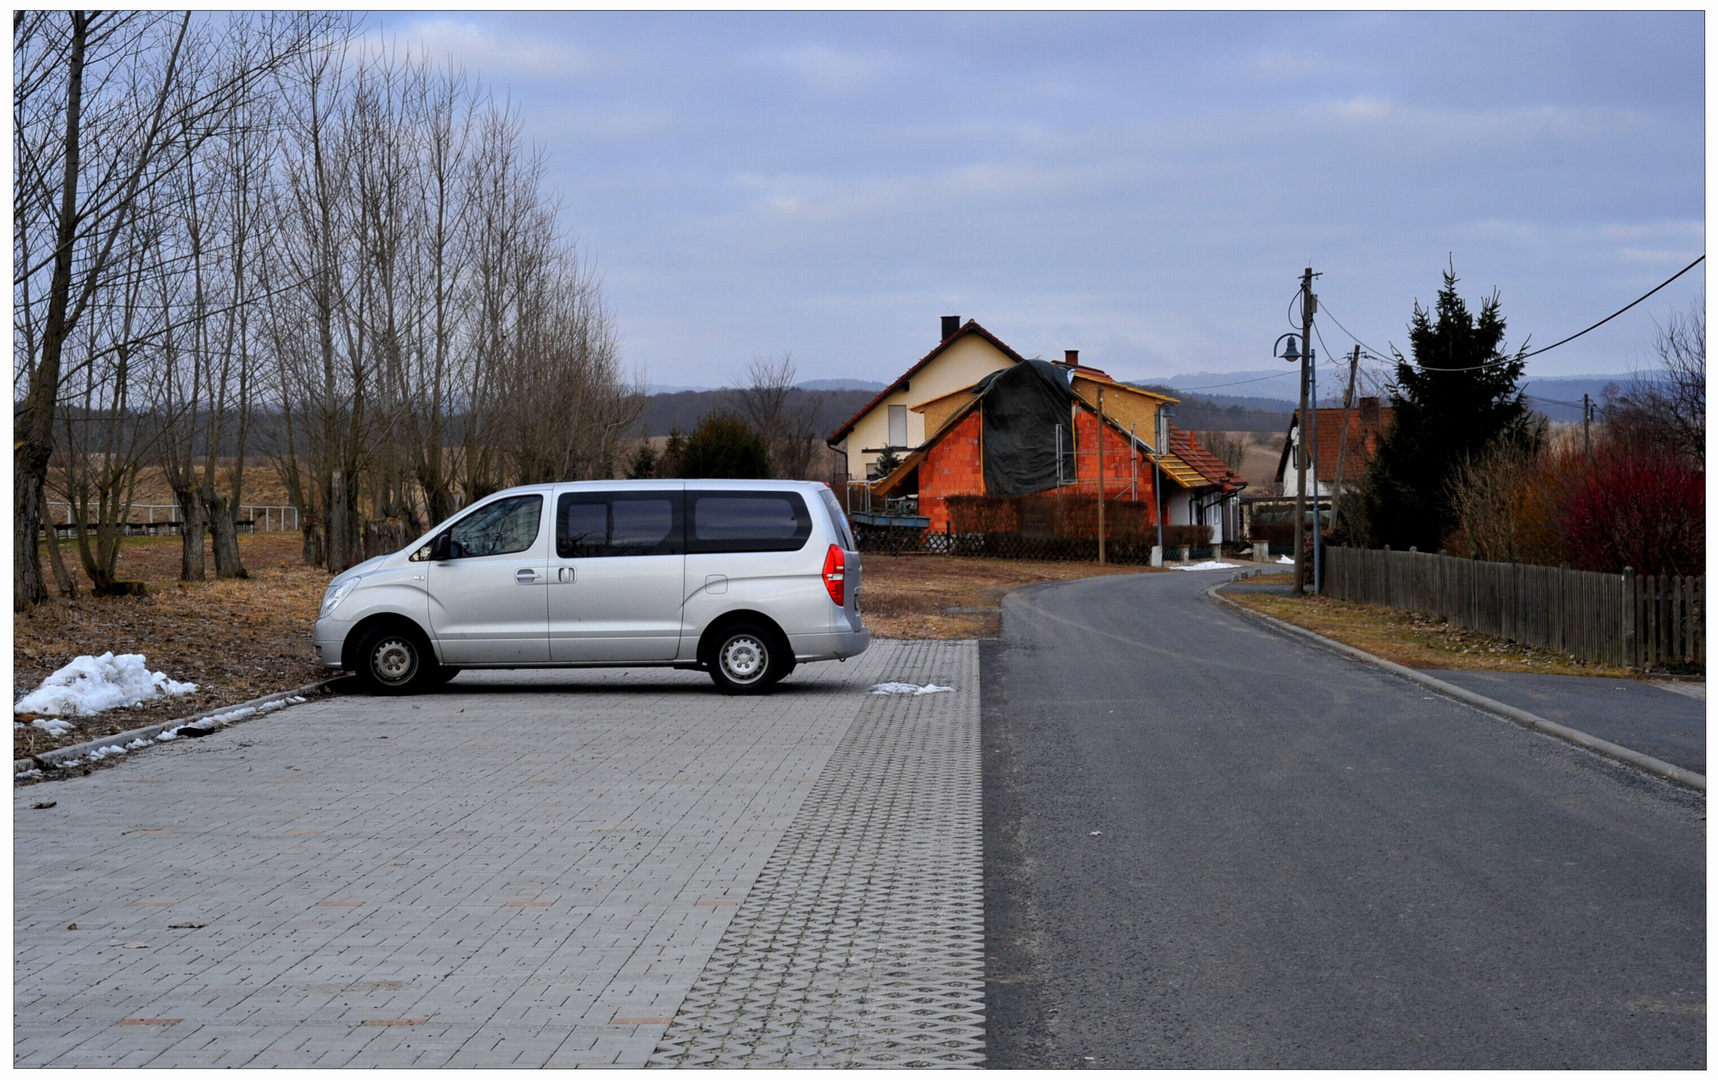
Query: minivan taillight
[(835, 575)]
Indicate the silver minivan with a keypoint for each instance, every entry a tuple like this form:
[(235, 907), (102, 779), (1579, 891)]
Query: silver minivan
[(740, 578)]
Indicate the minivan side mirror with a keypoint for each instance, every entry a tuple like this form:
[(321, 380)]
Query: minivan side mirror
[(441, 548)]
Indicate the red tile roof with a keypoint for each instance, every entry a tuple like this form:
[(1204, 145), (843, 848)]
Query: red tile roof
[(1362, 439), (971, 327), (1184, 446)]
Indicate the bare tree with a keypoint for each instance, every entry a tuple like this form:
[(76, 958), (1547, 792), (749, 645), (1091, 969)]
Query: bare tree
[(1668, 407), (1225, 447), (784, 415), (105, 106)]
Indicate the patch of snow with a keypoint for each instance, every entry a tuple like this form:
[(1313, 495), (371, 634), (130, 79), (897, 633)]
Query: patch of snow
[(1286, 559), (28, 774), (55, 728), (1208, 564), (910, 688), (92, 684), (105, 751), (135, 743)]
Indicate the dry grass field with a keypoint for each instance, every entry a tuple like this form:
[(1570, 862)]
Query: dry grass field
[(235, 639), (1411, 638)]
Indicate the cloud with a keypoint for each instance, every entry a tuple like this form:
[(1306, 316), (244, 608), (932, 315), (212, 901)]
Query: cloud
[(490, 55), (838, 73)]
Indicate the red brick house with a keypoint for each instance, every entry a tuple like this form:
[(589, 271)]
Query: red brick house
[(1050, 443)]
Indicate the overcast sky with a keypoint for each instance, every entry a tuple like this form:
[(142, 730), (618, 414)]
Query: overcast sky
[(1145, 188)]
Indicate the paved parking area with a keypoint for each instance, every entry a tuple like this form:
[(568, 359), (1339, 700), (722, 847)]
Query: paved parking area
[(530, 869)]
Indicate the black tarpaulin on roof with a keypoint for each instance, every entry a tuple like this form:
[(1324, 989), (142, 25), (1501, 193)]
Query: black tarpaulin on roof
[(1022, 407)]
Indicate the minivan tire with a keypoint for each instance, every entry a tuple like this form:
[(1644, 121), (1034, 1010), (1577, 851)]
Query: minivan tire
[(748, 659), (393, 659)]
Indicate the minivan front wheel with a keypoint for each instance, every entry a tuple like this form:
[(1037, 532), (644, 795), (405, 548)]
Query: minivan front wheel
[(394, 660), (747, 660)]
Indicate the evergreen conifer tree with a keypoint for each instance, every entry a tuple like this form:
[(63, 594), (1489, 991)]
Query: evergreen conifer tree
[(1457, 399)]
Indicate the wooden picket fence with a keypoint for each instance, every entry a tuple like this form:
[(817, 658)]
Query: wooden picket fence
[(1626, 620)]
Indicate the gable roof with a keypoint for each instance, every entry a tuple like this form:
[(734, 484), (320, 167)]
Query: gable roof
[(971, 327), (1363, 434), (1212, 469)]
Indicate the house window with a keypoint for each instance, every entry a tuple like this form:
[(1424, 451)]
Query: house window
[(897, 425)]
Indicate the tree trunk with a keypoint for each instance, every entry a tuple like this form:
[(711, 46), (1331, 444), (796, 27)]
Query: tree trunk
[(311, 534), (35, 431), (191, 534), (224, 528), (68, 587)]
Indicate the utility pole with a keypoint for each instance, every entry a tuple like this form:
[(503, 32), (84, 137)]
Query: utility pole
[(1100, 444), (1307, 305), (1587, 424), (1342, 438), (1161, 415)]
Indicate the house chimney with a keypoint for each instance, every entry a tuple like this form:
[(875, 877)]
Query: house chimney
[(1071, 357), (1369, 411), (951, 326)]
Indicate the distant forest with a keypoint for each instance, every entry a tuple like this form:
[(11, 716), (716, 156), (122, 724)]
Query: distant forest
[(666, 413)]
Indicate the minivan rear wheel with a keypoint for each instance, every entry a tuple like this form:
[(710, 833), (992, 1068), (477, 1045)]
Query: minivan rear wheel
[(748, 659), (392, 659)]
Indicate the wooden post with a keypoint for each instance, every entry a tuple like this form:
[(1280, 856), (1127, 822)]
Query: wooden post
[(1100, 442), (1631, 603)]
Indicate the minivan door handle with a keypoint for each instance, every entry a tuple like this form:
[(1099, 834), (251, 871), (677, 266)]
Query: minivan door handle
[(567, 574), (525, 576)]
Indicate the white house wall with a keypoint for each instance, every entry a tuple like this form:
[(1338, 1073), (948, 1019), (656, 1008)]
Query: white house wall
[(963, 363)]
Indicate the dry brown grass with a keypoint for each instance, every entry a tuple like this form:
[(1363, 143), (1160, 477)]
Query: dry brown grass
[(236, 639), (1411, 638), (942, 596)]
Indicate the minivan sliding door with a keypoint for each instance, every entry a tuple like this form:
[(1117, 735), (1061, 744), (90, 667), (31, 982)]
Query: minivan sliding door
[(616, 575)]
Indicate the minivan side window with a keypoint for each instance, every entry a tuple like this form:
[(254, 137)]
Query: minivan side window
[(608, 524), (722, 521), (504, 527)]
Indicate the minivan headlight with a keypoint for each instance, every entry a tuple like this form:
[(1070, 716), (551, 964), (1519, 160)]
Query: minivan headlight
[(336, 593)]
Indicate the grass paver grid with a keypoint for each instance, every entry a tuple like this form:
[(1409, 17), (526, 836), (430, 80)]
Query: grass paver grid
[(638, 806)]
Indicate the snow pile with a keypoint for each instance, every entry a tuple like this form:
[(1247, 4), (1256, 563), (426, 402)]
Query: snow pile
[(55, 728), (1208, 564), (909, 688), (1285, 559), (91, 684)]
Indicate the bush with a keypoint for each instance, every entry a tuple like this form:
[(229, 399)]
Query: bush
[(1639, 507), (724, 447), (1176, 536)]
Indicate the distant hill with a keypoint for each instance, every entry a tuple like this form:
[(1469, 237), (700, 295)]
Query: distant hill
[(1560, 398), (842, 384), (1268, 390), (681, 410), (1202, 412)]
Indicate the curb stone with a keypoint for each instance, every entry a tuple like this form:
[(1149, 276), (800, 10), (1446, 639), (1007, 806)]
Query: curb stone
[(23, 768), (1468, 697)]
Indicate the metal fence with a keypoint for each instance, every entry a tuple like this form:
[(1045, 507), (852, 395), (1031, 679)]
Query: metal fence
[(149, 519), (1626, 620)]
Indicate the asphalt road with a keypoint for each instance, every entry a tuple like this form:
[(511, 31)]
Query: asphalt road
[(1209, 844)]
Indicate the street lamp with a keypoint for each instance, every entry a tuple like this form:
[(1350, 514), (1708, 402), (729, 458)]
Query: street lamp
[(1306, 448)]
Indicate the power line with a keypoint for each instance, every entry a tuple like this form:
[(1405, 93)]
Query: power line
[(1619, 311), (1523, 356)]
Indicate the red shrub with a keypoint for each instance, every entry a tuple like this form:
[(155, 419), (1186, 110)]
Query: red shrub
[(1636, 507)]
